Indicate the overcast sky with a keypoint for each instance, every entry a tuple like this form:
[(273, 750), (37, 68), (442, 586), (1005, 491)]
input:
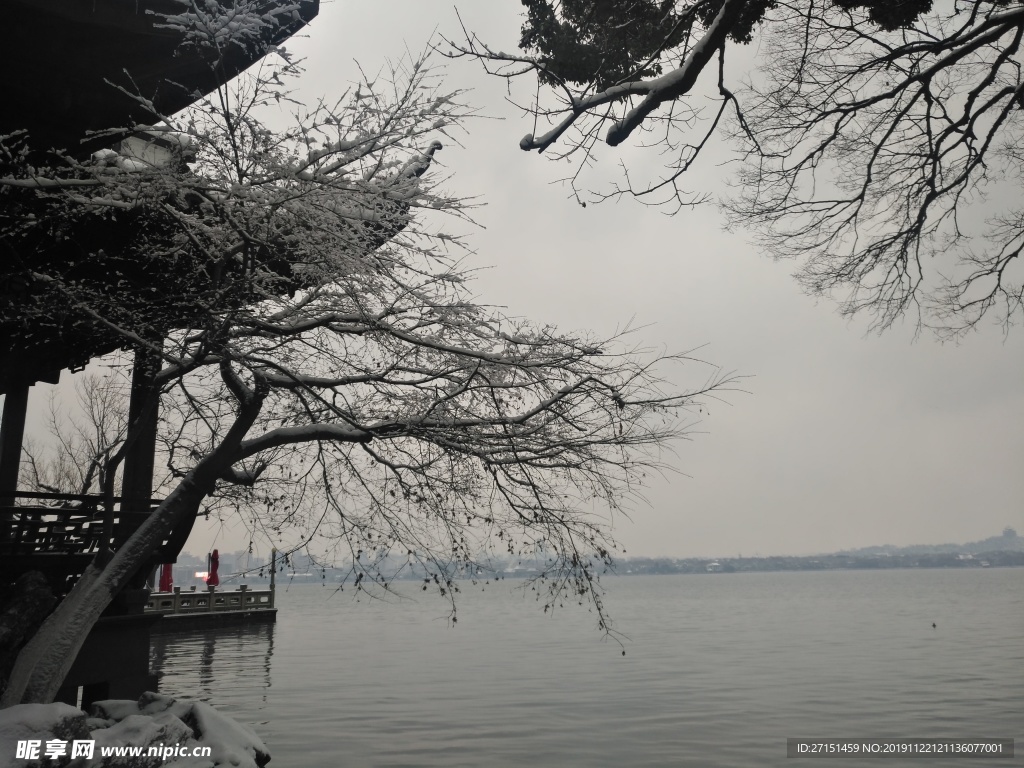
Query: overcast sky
[(844, 439)]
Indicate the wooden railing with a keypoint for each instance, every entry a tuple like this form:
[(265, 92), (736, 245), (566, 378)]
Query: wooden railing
[(60, 533), (64, 523), (193, 601)]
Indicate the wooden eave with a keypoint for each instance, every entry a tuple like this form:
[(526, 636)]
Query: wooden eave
[(68, 58), (67, 61)]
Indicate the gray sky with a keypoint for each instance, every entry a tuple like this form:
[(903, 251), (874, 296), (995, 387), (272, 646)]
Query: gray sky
[(843, 439)]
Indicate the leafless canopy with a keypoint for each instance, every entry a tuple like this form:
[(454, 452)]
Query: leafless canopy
[(881, 143), (320, 357), (78, 454)]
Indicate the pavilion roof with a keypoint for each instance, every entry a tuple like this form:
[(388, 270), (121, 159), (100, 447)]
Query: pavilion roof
[(68, 60), (73, 64)]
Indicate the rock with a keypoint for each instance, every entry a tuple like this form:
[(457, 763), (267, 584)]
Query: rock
[(40, 722), (22, 610), (149, 732), (182, 734)]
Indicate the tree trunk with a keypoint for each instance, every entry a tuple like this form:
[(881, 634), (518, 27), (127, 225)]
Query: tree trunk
[(45, 660)]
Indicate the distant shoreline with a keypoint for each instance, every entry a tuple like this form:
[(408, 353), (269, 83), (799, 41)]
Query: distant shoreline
[(1006, 550), (838, 562), (642, 566)]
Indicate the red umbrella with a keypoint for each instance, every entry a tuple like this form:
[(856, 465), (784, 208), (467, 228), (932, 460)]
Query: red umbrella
[(213, 580), (166, 577)]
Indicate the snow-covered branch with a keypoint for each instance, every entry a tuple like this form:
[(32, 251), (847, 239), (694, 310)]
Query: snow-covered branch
[(876, 141), (324, 367), (655, 92)]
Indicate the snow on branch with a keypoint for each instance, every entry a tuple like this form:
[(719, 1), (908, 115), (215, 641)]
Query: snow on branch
[(324, 367), (216, 26), (877, 143), (656, 91)]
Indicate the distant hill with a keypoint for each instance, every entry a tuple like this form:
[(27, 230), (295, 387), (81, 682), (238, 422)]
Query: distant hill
[(1008, 541), (1005, 550)]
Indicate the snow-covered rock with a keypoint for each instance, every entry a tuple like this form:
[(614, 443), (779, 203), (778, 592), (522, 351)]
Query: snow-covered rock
[(40, 722), (154, 721)]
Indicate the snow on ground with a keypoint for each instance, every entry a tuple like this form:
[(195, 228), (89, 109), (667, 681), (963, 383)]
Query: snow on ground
[(154, 720)]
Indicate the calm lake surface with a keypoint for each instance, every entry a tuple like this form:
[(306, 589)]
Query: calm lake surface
[(719, 670)]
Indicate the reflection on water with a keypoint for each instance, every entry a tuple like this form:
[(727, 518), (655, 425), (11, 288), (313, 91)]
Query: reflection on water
[(224, 666)]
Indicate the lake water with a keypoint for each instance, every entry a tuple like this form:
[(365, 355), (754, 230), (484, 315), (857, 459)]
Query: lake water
[(719, 670)]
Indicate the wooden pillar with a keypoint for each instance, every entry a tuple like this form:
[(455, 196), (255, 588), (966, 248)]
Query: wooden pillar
[(12, 432), (143, 414), (137, 479), (273, 574)]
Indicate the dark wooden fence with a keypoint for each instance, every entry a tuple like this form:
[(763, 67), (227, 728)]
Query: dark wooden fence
[(59, 534)]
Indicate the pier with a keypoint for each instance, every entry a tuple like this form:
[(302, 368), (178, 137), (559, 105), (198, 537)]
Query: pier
[(185, 610)]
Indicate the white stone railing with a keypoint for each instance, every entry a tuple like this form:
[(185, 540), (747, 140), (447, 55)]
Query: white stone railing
[(210, 600)]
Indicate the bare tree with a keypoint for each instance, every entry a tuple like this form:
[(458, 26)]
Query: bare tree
[(316, 337), (890, 163), (881, 140), (77, 455)]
